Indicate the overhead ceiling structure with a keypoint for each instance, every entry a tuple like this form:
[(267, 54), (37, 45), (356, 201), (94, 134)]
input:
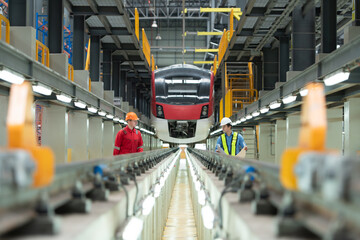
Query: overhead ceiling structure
[(109, 20), (263, 21)]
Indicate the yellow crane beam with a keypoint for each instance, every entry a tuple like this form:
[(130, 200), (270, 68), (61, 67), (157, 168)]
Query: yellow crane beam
[(202, 50), (236, 10), (209, 33), (202, 62)]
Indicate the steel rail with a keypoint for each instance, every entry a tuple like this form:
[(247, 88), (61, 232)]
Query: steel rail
[(67, 175), (309, 204)]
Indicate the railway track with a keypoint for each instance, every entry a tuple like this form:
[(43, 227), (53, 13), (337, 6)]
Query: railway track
[(252, 186), (75, 190)]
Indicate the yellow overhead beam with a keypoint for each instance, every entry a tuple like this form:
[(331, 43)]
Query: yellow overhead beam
[(201, 50), (209, 33), (237, 15), (236, 10), (202, 62)]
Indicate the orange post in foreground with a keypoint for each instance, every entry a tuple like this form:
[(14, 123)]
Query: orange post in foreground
[(312, 135), (21, 133)]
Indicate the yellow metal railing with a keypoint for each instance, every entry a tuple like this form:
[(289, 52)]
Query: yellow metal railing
[(137, 23), (7, 28), (45, 53), (226, 35), (231, 25), (70, 72), (146, 46), (215, 66), (242, 87), (152, 63)]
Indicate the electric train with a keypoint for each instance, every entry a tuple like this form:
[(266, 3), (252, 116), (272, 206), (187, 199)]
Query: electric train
[(182, 103)]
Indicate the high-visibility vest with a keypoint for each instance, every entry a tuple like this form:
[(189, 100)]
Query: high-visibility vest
[(233, 144)]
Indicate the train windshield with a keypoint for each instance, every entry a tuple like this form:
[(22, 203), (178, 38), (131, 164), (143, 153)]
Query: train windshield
[(182, 89)]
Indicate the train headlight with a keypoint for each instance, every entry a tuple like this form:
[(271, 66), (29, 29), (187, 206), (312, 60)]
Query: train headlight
[(159, 111), (204, 111)]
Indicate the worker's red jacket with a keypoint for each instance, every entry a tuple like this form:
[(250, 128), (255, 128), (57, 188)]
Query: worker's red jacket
[(128, 141)]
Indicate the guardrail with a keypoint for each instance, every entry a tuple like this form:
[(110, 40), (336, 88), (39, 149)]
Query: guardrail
[(152, 62), (137, 24), (45, 59), (7, 26), (70, 72), (146, 46)]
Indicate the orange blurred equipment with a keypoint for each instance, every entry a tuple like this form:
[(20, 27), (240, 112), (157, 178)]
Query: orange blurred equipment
[(21, 133), (131, 116)]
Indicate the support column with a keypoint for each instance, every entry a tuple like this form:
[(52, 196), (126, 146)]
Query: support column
[(271, 68), (78, 136), (109, 140), (293, 124), (4, 102), (79, 43), (352, 126), (280, 139), (115, 78), (129, 95), (303, 38), (283, 58), (258, 83), (328, 26), (96, 127), (95, 58), (56, 29), (117, 128), (266, 139), (107, 69), (357, 12), (122, 84), (134, 98), (334, 136), (17, 12), (55, 131)]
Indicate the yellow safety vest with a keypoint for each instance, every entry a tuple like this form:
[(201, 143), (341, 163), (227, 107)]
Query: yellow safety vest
[(233, 144)]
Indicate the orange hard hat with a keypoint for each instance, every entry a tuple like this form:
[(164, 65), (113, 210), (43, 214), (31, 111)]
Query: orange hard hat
[(131, 116)]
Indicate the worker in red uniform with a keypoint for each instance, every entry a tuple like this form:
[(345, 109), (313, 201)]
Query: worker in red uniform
[(128, 139)]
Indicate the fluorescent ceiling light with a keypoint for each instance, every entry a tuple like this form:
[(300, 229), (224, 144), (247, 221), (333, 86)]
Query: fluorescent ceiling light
[(289, 99), (255, 114), (11, 77), (264, 110), (102, 113), (275, 105), (248, 117), (243, 119), (154, 25), (336, 78), (80, 104), (122, 121), (137, 127), (63, 98), (44, 90), (92, 109), (109, 116), (303, 92), (116, 119)]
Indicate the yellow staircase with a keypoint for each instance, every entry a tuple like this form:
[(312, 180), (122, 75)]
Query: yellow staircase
[(239, 88)]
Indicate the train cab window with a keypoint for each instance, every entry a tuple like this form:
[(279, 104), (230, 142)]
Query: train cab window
[(182, 90)]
